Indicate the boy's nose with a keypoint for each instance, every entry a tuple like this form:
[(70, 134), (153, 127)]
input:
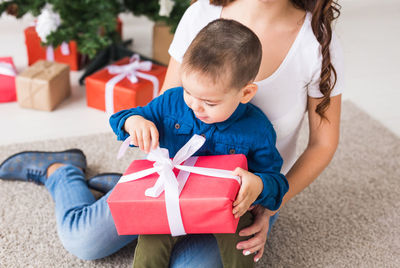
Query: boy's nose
[(196, 106)]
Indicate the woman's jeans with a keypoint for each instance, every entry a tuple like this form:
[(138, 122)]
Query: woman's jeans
[(86, 227)]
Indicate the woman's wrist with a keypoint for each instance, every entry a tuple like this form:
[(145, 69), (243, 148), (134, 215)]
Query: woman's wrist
[(264, 212)]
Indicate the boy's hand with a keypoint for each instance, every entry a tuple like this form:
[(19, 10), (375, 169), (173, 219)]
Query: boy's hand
[(143, 132), (250, 189)]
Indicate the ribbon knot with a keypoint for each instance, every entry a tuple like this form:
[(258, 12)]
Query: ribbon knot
[(132, 71), (164, 164)]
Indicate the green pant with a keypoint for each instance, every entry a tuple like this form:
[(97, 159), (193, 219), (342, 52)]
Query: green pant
[(154, 251)]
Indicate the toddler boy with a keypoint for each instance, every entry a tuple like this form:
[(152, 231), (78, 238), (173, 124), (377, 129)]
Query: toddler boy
[(217, 73)]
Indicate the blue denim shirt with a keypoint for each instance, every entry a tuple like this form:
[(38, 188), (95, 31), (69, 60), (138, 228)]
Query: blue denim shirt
[(247, 131)]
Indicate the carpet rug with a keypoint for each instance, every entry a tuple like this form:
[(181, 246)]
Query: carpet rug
[(349, 217)]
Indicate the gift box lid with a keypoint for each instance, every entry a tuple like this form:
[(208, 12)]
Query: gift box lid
[(215, 186), (43, 70), (104, 76)]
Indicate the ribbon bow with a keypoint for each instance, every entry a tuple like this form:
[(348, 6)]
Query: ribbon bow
[(7, 69), (132, 72), (168, 182), (50, 51)]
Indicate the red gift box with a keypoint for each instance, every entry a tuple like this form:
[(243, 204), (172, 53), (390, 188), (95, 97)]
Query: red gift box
[(7, 80), (38, 52), (205, 202), (126, 94)]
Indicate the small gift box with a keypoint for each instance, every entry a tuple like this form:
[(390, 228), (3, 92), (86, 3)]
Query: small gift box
[(43, 85), (198, 196), (162, 39), (7, 80), (126, 84), (65, 53)]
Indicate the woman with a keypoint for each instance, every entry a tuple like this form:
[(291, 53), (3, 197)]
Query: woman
[(300, 71)]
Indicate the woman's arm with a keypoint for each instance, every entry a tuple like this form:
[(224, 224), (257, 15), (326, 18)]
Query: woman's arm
[(172, 78), (322, 144), (323, 141)]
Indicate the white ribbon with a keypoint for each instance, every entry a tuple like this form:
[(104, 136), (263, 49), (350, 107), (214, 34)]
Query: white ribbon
[(7, 69), (50, 53), (65, 48), (132, 72), (168, 182)]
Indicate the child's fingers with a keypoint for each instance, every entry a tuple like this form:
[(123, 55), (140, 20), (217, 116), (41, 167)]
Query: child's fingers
[(154, 137), (241, 195), (146, 140), (239, 210), (239, 198), (139, 138), (134, 139), (238, 171), (241, 207)]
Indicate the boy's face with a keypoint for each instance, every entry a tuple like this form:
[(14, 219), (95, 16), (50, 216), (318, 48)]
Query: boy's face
[(210, 102)]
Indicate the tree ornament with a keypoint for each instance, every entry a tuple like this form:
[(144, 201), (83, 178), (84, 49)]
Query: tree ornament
[(166, 7), (48, 22), (12, 9)]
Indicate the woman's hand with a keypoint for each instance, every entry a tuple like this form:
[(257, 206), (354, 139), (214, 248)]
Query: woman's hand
[(143, 132), (259, 229)]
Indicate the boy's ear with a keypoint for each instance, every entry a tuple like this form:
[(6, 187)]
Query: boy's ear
[(248, 92)]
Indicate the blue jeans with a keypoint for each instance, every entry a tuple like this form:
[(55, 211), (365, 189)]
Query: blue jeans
[(86, 228)]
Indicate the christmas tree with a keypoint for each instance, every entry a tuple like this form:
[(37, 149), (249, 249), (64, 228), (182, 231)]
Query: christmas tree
[(91, 23), (168, 11)]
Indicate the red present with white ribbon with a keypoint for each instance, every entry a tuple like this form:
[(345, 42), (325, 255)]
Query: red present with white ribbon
[(176, 196), (66, 53), (7, 80), (128, 83)]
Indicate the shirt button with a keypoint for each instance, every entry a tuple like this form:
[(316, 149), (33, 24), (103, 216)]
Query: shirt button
[(232, 151), (203, 135), (177, 126)]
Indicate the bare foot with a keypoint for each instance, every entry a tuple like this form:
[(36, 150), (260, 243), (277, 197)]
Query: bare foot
[(53, 167)]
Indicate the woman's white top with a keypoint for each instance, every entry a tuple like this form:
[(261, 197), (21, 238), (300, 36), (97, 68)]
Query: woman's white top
[(283, 95)]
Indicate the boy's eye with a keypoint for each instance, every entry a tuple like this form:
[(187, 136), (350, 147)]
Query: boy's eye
[(210, 104)]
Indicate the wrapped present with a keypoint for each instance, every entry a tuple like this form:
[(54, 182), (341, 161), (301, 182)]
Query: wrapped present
[(197, 198), (162, 39), (43, 85), (66, 53), (7, 80), (126, 84)]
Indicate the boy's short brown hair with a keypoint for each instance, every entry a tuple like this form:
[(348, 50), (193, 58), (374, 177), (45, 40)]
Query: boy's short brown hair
[(225, 49)]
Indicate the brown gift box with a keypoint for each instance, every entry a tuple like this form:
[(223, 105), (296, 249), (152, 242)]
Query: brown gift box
[(162, 38), (43, 85)]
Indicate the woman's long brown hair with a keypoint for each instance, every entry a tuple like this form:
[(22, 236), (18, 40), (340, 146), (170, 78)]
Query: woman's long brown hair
[(323, 13)]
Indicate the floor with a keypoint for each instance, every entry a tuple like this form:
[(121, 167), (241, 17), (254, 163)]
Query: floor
[(369, 32)]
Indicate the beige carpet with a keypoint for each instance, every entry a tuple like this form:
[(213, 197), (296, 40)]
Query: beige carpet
[(349, 217)]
